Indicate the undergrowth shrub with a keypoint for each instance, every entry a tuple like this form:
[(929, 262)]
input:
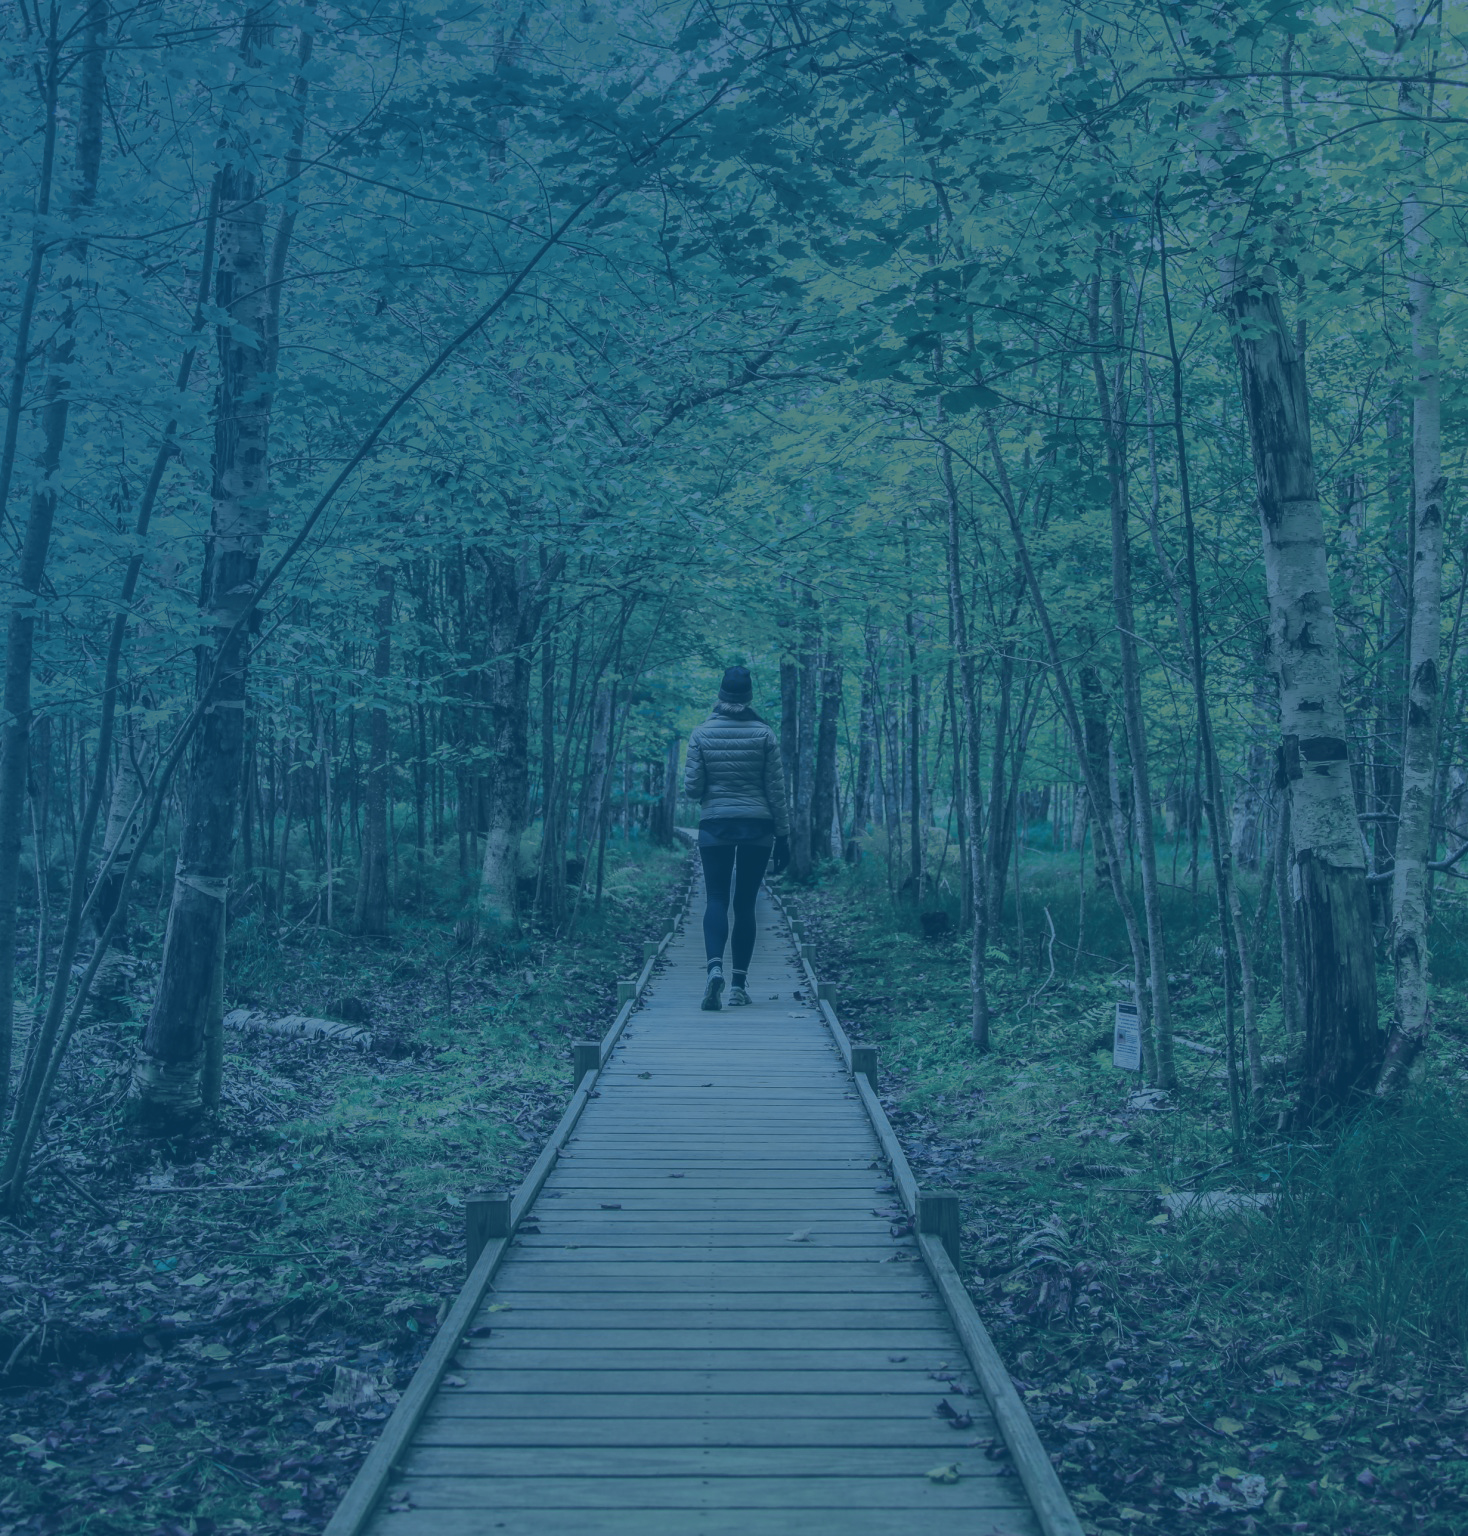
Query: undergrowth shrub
[(1371, 1228)]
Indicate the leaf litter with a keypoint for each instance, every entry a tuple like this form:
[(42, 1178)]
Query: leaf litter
[(216, 1356), (1173, 1390)]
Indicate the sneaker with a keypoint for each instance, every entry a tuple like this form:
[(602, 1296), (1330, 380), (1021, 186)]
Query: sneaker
[(738, 998), (711, 1003)]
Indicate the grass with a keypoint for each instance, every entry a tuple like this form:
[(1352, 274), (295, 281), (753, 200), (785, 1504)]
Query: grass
[(1314, 1339)]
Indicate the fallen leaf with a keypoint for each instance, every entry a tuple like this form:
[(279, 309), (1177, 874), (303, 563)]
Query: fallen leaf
[(455, 1381), (352, 1390), (1228, 1490), (324, 1426), (1314, 1366), (947, 1473), (1227, 1426), (801, 1236), (501, 1306), (956, 1420), (215, 1352), (610, 1205), (435, 1261)]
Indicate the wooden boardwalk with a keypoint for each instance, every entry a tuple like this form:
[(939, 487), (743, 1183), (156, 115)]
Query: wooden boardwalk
[(713, 1321)]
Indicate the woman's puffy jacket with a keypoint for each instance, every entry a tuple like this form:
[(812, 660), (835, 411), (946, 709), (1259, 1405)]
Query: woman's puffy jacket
[(734, 770)]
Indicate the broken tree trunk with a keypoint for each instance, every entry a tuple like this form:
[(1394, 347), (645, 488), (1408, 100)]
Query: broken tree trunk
[(1343, 1041)]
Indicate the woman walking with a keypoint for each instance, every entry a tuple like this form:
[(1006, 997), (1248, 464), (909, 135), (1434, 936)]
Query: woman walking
[(734, 773)]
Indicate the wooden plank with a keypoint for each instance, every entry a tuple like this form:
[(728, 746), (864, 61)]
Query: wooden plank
[(875, 1433), (843, 1520), (811, 1279), (912, 1496), (584, 1336), (797, 1353), (777, 1308), (629, 1379), (682, 1243), (766, 1462), (755, 1408)]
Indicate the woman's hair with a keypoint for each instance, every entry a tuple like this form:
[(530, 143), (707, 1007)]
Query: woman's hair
[(736, 712)]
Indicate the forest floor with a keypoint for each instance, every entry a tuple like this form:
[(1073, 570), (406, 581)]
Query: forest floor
[(207, 1338), (1293, 1364)]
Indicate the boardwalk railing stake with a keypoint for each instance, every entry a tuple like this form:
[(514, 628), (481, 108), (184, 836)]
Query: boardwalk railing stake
[(864, 1062), (585, 1059), (938, 1216), (486, 1218), (626, 991)]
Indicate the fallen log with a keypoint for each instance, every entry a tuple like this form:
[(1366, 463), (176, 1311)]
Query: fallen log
[(300, 1026)]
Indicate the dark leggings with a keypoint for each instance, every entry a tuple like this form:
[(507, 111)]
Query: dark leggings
[(746, 863)]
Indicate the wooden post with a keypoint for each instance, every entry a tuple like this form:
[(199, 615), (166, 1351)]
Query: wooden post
[(826, 991), (650, 950), (486, 1220), (626, 992), (585, 1057), (938, 1216), (797, 930), (864, 1063)]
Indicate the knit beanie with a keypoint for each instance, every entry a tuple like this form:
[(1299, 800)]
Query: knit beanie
[(737, 688)]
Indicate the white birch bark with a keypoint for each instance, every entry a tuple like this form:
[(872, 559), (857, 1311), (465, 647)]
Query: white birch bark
[(1424, 630), (1328, 871)]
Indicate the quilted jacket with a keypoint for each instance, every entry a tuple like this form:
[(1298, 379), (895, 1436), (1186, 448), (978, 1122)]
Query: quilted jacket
[(734, 770)]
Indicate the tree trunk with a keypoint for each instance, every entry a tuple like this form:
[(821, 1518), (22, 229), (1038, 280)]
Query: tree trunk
[(1061, 684), (370, 916), (1292, 1003), (1097, 750), (790, 725), (510, 705), (1343, 1042), (978, 952), (119, 838), (598, 766), (823, 803), (914, 756), (996, 869), (861, 798), (668, 810), (1420, 735), (1109, 400), (805, 751), (36, 540), (167, 1074)]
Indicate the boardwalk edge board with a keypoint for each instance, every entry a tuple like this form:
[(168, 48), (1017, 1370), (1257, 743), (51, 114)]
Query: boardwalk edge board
[(361, 1498), (1051, 1504)]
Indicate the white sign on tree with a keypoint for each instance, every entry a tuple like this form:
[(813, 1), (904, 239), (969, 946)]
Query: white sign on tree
[(1126, 1042)]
